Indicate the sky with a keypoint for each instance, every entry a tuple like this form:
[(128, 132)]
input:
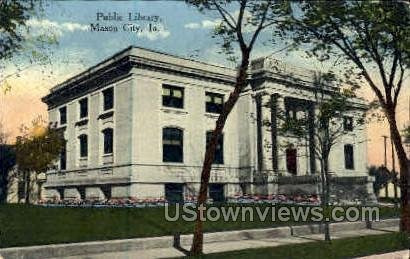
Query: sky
[(181, 30)]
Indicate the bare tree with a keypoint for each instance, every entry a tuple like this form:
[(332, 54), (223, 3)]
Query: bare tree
[(242, 21), (333, 110), (368, 40)]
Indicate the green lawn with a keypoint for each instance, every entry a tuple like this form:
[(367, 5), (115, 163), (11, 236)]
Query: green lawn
[(341, 248), (33, 225)]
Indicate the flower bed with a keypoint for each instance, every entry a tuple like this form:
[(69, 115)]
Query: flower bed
[(143, 203)]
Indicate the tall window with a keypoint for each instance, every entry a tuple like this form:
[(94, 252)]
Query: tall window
[(213, 102), (108, 99), (63, 158), (349, 157), (172, 145), (83, 108), (291, 160), (83, 145), (63, 115), (108, 140), (348, 123), (219, 152), (172, 96)]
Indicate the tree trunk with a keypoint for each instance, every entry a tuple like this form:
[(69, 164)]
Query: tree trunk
[(394, 172), (197, 243), (327, 195), (27, 187), (404, 171), (386, 189), (324, 199)]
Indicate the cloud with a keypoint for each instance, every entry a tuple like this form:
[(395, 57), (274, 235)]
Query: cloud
[(192, 25), (205, 24), (56, 27), (247, 26), (161, 33)]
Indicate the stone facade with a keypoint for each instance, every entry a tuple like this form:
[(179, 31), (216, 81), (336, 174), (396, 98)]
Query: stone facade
[(254, 161)]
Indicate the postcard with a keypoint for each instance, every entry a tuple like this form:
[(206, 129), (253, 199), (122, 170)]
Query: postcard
[(205, 128)]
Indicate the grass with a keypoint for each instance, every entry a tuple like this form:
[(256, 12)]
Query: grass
[(339, 248), (33, 225)]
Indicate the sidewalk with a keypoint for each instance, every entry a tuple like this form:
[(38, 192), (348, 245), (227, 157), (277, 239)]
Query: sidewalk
[(161, 247), (237, 245), (403, 254)]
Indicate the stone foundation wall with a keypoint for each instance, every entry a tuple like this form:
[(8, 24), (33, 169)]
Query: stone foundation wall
[(344, 189)]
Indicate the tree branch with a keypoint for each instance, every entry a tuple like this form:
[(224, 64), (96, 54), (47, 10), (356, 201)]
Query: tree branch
[(223, 13), (399, 85), (394, 67), (242, 43), (260, 27), (349, 52), (378, 59)]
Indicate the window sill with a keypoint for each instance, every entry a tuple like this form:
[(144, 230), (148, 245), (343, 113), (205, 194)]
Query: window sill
[(107, 159), (61, 173), (82, 122), (212, 115), (174, 110), (173, 163), (106, 114)]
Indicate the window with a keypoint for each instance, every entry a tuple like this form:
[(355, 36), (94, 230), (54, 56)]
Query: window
[(83, 145), (219, 152), (106, 189), (63, 115), (349, 157), (60, 191), (172, 96), (108, 141), (348, 123), (174, 192), (63, 158), (216, 192), (82, 192), (172, 145), (213, 102), (21, 190), (291, 160), (296, 109), (108, 96), (83, 108)]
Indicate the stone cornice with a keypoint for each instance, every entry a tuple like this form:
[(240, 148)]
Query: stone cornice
[(88, 82), (120, 66), (260, 76), (126, 62)]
